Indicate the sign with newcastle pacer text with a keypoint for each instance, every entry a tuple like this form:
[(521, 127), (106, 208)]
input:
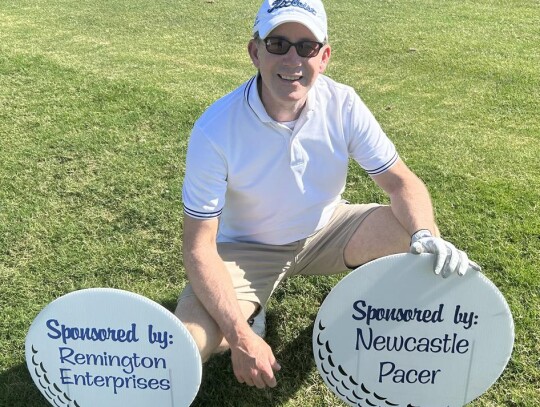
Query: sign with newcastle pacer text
[(112, 348), (392, 333)]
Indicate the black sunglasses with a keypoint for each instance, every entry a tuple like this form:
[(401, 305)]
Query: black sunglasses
[(280, 46)]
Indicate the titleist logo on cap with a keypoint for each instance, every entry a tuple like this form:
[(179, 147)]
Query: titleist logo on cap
[(291, 3)]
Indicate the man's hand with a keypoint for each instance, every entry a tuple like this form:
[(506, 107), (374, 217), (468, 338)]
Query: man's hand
[(449, 259), (254, 362)]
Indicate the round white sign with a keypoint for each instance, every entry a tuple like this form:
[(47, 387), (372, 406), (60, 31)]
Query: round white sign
[(392, 333), (108, 347)]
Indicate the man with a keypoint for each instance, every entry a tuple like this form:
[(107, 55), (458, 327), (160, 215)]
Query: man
[(265, 169)]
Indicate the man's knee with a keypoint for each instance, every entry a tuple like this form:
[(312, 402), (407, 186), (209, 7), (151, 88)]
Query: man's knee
[(379, 235), (200, 325), (203, 328)]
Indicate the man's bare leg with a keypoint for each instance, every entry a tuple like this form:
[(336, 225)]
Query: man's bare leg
[(203, 328), (379, 235)]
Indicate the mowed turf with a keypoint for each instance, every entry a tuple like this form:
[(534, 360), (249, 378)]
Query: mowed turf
[(97, 100)]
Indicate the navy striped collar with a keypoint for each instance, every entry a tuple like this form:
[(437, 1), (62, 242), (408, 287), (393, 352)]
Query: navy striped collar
[(252, 98)]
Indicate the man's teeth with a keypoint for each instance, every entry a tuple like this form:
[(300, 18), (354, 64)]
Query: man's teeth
[(290, 77)]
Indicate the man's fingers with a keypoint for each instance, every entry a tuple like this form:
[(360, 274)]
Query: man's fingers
[(464, 263), (417, 248), (258, 379), (252, 379), (448, 258), (243, 380), (452, 260), (474, 266), (269, 379), (268, 375), (254, 364), (238, 376), (437, 247), (432, 246)]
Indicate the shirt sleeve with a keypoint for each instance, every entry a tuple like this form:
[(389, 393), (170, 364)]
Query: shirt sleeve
[(368, 144), (205, 180)]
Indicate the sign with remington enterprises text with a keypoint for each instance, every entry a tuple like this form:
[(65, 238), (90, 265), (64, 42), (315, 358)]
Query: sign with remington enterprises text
[(392, 333), (108, 347)]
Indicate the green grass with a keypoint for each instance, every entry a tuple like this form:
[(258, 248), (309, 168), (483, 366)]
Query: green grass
[(96, 104)]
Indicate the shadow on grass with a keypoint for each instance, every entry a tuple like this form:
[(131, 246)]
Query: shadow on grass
[(18, 390), (219, 386)]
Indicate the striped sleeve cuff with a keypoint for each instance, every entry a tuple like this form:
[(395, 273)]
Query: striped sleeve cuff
[(201, 215), (384, 167)]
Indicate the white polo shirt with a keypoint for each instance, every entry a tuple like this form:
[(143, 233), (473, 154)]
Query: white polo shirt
[(272, 185)]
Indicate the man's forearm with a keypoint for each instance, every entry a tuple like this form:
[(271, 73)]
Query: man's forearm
[(409, 198), (212, 284), (411, 205)]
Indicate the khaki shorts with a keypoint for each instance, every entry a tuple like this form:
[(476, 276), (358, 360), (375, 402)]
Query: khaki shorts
[(257, 269)]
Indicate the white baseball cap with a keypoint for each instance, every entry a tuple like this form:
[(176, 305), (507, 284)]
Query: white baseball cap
[(309, 13)]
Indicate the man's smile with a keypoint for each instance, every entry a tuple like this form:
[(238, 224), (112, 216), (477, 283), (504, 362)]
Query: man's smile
[(290, 78)]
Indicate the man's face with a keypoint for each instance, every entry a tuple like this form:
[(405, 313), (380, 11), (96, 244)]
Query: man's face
[(286, 79)]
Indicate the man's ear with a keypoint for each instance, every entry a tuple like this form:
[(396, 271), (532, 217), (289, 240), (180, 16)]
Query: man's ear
[(325, 59), (253, 51)]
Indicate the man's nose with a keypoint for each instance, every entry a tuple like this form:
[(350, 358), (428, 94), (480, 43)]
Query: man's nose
[(292, 57)]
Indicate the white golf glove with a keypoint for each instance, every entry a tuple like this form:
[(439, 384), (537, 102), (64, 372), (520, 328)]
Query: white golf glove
[(449, 259)]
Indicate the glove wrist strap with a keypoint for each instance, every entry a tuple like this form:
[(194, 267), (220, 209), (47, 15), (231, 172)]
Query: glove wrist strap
[(419, 234)]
